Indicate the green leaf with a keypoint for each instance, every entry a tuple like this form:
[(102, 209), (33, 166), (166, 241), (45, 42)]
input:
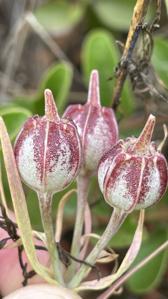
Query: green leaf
[(99, 52), (14, 118), (33, 208), (115, 14), (26, 101), (58, 78), (124, 237), (160, 58), (127, 99), (60, 16), (150, 275)]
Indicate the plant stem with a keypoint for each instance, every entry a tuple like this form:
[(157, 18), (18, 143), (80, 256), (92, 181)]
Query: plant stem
[(139, 13), (128, 274), (45, 203), (116, 220), (82, 193)]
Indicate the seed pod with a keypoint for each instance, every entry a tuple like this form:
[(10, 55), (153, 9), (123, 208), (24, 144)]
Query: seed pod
[(96, 125), (133, 174), (47, 150)]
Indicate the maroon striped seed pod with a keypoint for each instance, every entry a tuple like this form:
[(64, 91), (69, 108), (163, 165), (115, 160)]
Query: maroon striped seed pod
[(48, 150), (96, 125), (133, 174)]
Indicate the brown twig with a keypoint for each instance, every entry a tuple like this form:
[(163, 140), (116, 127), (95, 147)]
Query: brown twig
[(139, 14)]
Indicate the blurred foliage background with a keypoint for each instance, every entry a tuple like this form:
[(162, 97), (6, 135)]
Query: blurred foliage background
[(55, 44)]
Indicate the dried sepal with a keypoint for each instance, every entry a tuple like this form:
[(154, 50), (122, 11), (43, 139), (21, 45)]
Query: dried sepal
[(107, 256), (161, 145), (126, 263)]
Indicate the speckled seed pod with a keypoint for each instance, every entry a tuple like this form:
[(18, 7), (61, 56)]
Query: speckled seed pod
[(133, 174), (48, 150), (96, 125)]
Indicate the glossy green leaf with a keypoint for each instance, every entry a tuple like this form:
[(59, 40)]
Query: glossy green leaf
[(115, 14), (160, 58), (33, 208), (26, 101), (58, 78), (124, 237), (127, 99), (59, 16), (99, 52), (14, 118), (150, 275)]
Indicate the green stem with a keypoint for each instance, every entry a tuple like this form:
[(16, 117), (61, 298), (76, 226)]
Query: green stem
[(116, 220), (82, 193), (45, 203)]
